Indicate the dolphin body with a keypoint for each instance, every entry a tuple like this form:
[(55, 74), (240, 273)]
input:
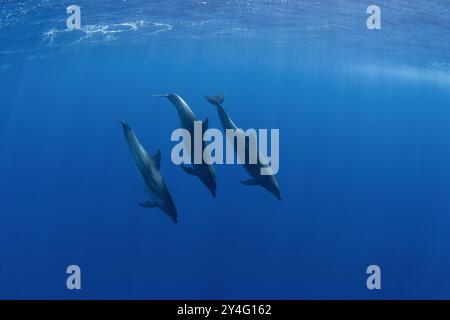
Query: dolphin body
[(203, 171), (268, 182), (149, 168)]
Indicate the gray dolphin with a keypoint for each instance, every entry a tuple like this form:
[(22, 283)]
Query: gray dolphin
[(268, 182), (148, 167), (203, 171)]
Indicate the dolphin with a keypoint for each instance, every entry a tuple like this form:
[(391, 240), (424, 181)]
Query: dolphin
[(268, 182), (203, 171), (149, 168)]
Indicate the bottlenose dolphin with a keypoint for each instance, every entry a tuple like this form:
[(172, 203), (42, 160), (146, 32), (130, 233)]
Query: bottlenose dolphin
[(268, 182), (148, 167), (203, 171)]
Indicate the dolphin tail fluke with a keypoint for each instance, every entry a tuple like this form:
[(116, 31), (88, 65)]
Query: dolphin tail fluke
[(119, 121), (215, 100)]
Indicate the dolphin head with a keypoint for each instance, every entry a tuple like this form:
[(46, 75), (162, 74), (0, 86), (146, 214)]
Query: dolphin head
[(209, 180), (125, 125), (174, 98), (278, 195), (171, 96), (274, 188), (169, 208)]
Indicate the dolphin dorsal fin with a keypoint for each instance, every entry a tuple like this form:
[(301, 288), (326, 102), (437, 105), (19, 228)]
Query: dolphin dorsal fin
[(157, 159)]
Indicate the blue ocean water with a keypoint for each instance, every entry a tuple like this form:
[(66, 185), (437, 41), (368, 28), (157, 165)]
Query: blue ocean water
[(364, 132)]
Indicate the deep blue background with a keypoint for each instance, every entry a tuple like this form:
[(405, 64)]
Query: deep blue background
[(365, 163)]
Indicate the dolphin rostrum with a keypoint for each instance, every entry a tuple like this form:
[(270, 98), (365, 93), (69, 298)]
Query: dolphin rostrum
[(205, 172), (149, 168), (269, 181)]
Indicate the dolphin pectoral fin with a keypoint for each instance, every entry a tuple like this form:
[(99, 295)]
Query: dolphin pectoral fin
[(157, 159), (148, 204), (249, 182), (188, 170)]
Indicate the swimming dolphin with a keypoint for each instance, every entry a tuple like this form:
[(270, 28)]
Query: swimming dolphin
[(268, 182), (148, 167), (203, 171)]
